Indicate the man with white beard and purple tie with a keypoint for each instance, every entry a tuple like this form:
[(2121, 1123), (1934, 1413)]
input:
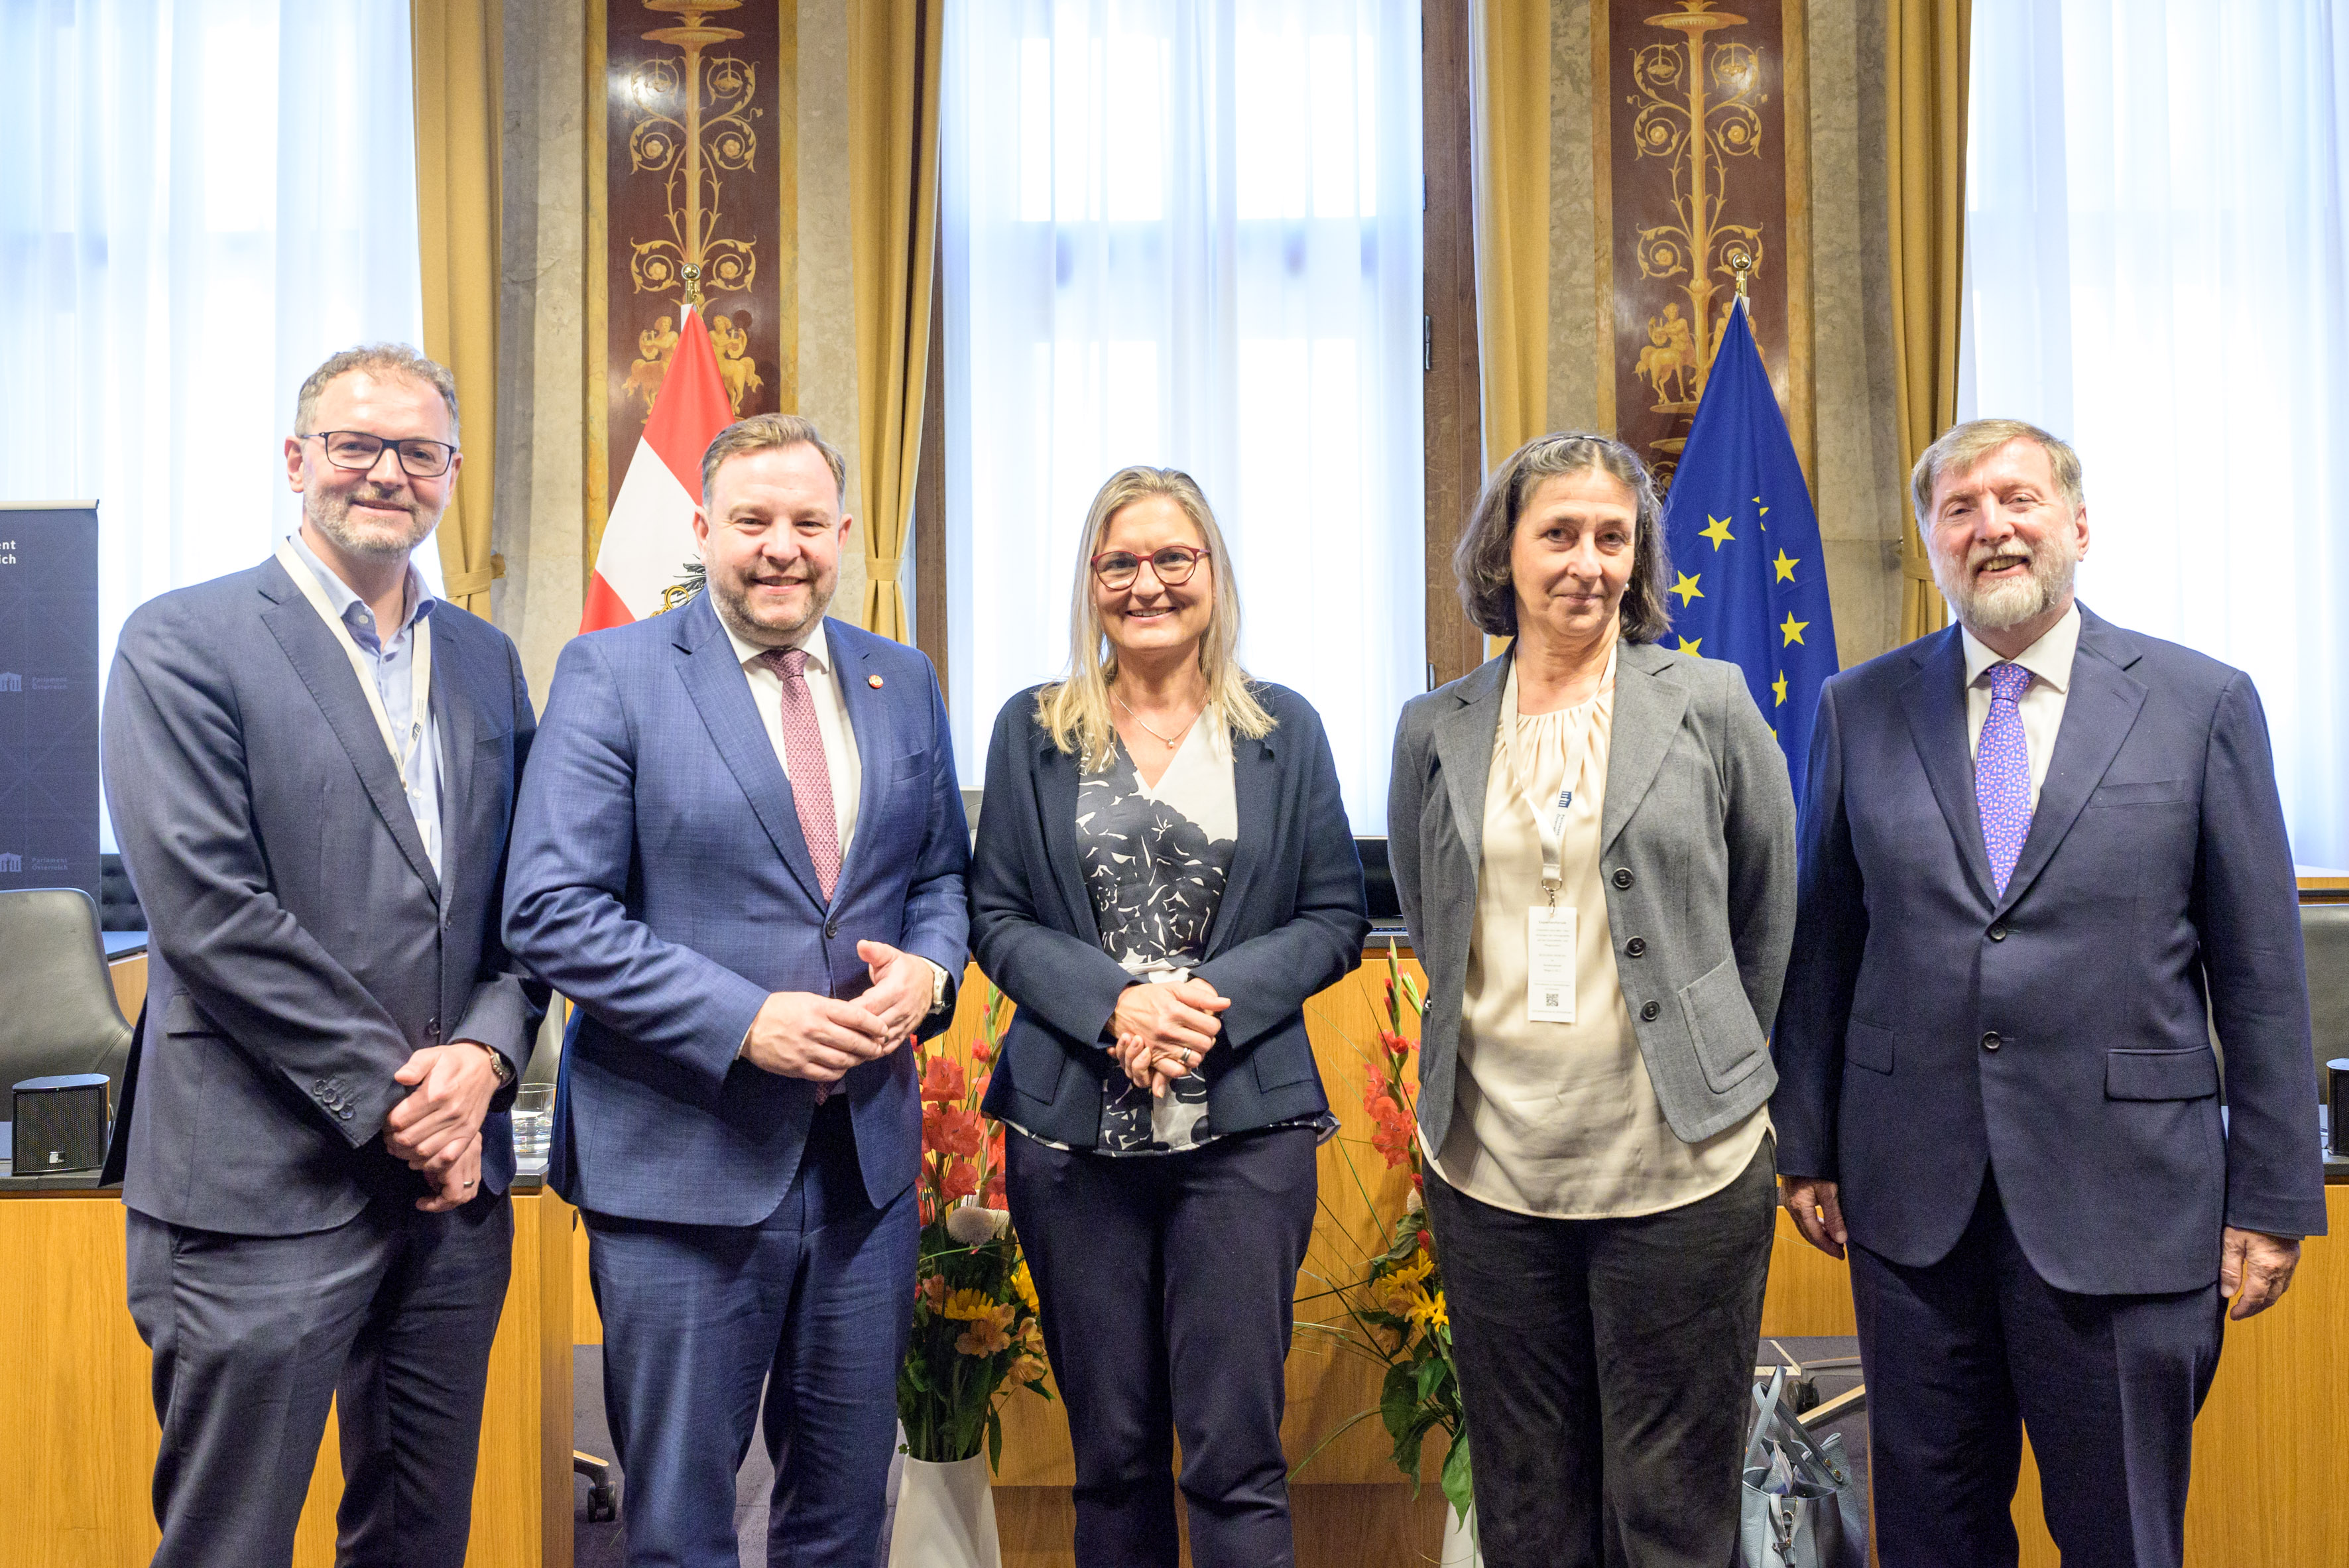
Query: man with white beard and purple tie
[(2044, 862)]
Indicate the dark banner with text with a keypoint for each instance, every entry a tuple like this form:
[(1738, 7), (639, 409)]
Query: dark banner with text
[(48, 697)]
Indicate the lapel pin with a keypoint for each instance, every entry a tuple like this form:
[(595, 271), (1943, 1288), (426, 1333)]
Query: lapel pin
[(873, 681)]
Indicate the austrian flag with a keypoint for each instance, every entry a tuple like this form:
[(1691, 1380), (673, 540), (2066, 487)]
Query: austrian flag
[(647, 548)]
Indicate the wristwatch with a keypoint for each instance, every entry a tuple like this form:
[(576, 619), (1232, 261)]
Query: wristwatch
[(499, 1065)]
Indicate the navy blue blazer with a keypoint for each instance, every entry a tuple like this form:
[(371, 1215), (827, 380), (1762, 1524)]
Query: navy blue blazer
[(659, 880), (1932, 1029), (1291, 923), (302, 945)]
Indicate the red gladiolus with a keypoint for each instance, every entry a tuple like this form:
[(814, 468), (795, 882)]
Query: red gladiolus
[(959, 1182), (960, 1132), (943, 1081), (993, 1196), (1426, 1242)]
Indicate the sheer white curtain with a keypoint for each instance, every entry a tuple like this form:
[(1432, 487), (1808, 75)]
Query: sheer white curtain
[(2158, 270), (1188, 235), (204, 199)]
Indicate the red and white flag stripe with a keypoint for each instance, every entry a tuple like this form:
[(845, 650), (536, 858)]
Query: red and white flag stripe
[(648, 539)]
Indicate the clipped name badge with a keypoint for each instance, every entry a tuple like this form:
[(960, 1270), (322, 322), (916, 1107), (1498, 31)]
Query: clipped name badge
[(1550, 966)]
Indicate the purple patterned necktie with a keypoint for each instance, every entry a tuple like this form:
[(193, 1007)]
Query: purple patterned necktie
[(2003, 773), (811, 775)]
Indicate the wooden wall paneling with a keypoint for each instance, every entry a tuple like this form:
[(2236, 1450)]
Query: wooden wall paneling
[(1453, 395)]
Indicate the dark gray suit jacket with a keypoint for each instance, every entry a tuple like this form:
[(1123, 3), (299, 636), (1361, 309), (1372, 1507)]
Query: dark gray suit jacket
[(1935, 1029), (1696, 848), (301, 946)]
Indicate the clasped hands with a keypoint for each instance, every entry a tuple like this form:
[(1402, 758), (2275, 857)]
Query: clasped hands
[(436, 1130), (803, 1035), (1163, 1031), (2254, 1268)]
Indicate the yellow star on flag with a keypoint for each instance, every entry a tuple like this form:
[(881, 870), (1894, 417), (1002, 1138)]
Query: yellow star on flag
[(1793, 628), (1690, 645), (1718, 532), (1785, 568), (1687, 587), (1779, 686), (1760, 515)]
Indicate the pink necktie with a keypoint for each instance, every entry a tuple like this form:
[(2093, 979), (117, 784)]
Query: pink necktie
[(803, 754)]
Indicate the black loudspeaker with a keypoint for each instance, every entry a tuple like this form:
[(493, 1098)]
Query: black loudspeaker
[(60, 1124)]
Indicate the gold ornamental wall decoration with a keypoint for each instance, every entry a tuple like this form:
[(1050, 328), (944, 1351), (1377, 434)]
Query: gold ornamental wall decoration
[(693, 182), (1701, 135), (694, 127)]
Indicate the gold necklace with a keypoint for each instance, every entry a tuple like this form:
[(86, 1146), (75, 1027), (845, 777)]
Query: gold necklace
[(1162, 740)]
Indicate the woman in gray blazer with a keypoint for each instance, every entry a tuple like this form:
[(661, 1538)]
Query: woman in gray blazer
[(1593, 839)]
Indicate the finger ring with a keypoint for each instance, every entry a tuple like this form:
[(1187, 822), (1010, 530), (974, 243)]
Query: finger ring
[(464, 1183)]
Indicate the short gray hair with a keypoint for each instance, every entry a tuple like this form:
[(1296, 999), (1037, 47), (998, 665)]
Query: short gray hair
[(376, 359), (1481, 560), (1963, 446), (766, 432)]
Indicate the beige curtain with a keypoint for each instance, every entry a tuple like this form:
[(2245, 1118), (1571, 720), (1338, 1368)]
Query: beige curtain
[(1925, 89), (893, 173), (1509, 115), (457, 57)]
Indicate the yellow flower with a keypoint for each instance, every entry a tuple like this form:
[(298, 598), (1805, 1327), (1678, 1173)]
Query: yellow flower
[(1024, 1286), (1026, 1369), (970, 1306), (1411, 1272), (1428, 1311)]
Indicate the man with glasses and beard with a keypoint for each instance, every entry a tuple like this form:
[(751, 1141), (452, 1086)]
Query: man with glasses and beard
[(741, 851), (2043, 861), (311, 768)]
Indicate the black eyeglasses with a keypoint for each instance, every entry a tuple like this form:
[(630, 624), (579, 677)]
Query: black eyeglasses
[(358, 450), (1117, 569)]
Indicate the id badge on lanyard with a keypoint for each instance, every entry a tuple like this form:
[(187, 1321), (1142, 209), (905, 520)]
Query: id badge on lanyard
[(1551, 927)]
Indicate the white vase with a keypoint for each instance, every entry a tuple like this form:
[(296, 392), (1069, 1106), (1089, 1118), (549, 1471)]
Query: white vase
[(1459, 1549), (945, 1516)]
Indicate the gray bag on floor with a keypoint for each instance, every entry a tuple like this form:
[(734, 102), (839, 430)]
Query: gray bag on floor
[(1800, 1506)]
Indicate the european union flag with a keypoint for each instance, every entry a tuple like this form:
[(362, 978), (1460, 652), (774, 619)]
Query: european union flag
[(1751, 581)]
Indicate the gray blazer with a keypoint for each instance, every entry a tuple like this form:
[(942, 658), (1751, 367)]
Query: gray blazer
[(301, 943), (1696, 847)]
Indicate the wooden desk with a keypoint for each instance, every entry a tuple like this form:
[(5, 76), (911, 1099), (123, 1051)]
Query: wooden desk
[(77, 1444)]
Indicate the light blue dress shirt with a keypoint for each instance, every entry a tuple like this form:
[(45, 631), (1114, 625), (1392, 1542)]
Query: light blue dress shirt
[(392, 661)]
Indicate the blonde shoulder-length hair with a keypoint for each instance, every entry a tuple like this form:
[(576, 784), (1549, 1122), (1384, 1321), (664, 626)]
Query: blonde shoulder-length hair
[(1075, 711)]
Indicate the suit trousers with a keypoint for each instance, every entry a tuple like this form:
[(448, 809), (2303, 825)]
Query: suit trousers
[(1604, 1367), (1167, 1286), (816, 1305), (1962, 1353), (389, 1315)]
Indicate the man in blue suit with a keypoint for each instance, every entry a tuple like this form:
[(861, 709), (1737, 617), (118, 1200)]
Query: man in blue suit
[(2042, 858), (739, 850)]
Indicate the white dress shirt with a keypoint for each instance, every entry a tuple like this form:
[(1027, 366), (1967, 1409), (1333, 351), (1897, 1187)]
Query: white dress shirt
[(839, 755), (390, 660), (2049, 660)]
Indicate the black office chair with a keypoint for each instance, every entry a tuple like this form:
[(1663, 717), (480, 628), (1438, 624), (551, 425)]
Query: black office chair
[(2325, 938), (57, 1012)]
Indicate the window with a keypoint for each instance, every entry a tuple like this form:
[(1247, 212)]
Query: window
[(204, 202), (2158, 271), (1189, 235)]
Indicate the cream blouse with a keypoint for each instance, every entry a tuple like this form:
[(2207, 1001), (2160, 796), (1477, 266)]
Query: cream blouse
[(1560, 1120)]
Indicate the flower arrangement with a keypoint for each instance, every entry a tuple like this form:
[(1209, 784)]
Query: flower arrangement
[(1395, 1312), (976, 1337)]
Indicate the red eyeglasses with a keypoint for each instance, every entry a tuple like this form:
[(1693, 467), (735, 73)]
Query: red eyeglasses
[(1172, 565)]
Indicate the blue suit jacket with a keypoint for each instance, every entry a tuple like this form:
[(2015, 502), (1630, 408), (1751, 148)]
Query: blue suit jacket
[(1291, 923), (303, 947), (660, 881), (2155, 878)]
